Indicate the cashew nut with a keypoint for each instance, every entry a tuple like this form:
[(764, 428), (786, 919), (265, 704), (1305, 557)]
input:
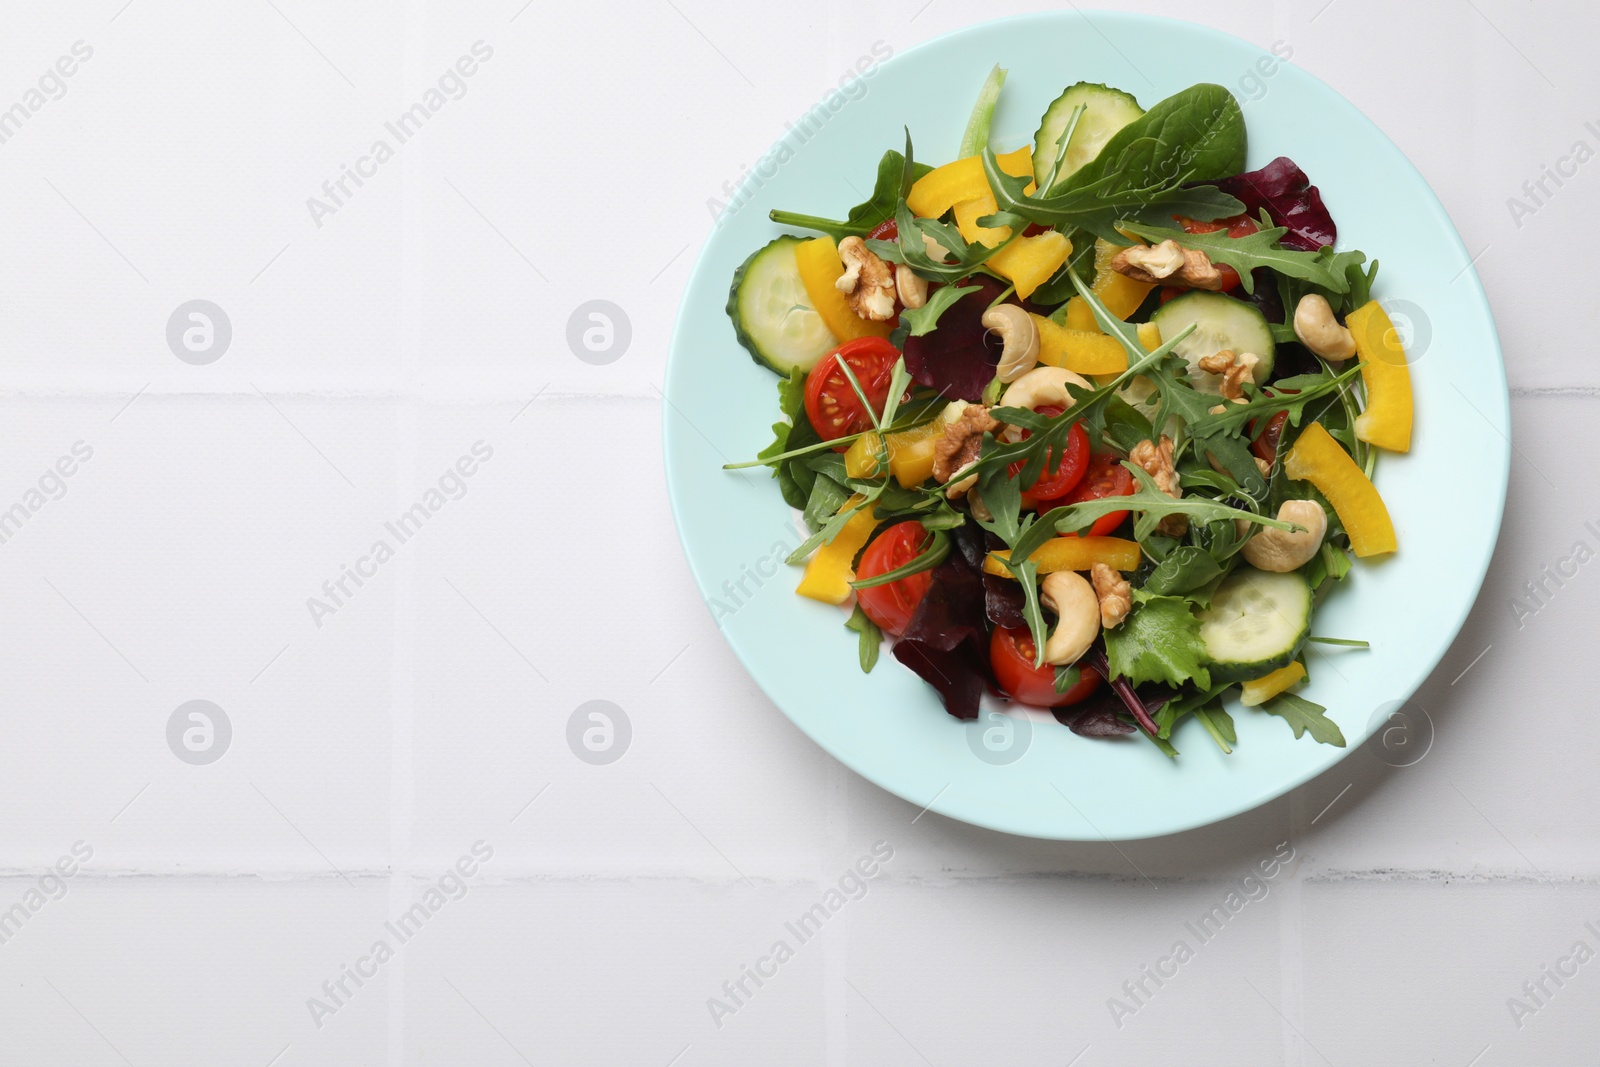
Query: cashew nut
[(1020, 336), (1282, 551), (867, 279), (1072, 598), (1039, 387), (1319, 331), (913, 290)]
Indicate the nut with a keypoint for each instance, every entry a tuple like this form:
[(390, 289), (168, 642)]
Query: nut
[(1072, 598), (1020, 336), (913, 290), (1281, 551), (936, 251), (1319, 331), (1156, 460), (868, 280), (1234, 370), (1195, 272), (1116, 597), (1158, 261), (1039, 387), (960, 445)]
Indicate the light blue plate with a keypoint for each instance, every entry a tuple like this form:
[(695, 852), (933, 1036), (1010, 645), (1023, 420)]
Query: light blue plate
[(1023, 773)]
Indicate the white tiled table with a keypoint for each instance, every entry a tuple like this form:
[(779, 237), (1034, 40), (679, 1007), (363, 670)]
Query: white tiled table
[(428, 710)]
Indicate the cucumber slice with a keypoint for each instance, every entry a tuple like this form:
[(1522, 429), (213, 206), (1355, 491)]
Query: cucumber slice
[(1105, 111), (771, 313), (1257, 622), (1219, 322)]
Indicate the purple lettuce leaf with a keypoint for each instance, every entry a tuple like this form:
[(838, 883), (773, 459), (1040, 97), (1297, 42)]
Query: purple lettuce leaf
[(1290, 199), (957, 358)]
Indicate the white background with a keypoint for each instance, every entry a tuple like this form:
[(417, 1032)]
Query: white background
[(429, 312)]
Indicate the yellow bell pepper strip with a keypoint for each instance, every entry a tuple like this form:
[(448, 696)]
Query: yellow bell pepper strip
[(1149, 336), (1387, 420), (1073, 554), (944, 187), (1079, 351), (1316, 457), (1080, 317), (820, 267), (910, 454), (829, 572), (1029, 262), (1119, 293), (967, 214), (1261, 690)]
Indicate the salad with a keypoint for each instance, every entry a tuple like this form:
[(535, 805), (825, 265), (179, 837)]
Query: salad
[(1077, 424)]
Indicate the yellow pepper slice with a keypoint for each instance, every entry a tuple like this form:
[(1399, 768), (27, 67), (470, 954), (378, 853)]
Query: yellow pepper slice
[(820, 267), (1316, 457), (1119, 293), (1073, 554), (1079, 351), (967, 214), (944, 187), (829, 572), (1387, 420), (1261, 690), (1080, 317), (1149, 336), (1029, 262), (910, 454)]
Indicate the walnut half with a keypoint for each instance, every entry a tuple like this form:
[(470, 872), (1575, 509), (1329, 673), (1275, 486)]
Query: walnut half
[(1156, 460), (1168, 263), (868, 279)]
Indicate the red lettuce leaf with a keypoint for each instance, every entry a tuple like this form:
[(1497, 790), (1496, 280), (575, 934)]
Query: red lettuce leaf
[(957, 358), (947, 641), (1290, 199), (1099, 716)]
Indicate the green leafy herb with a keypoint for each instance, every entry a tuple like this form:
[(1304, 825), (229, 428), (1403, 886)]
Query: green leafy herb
[(909, 248), (922, 320), (1325, 269), (1219, 724), (1340, 641), (871, 638), (1303, 716), (1067, 677), (1151, 506), (1158, 642), (867, 215), (1186, 568), (977, 132)]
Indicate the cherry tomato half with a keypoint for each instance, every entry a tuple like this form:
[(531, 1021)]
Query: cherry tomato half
[(832, 404), (1106, 477), (1054, 484), (1238, 226), (891, 606), (1011, 653)]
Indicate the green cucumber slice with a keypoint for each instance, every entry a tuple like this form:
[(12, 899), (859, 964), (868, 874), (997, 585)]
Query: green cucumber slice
[(772, 315), (1220, 322), (1105, 111), (1257, 622)]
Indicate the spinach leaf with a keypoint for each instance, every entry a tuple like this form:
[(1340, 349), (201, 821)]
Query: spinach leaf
[(1186, 568)]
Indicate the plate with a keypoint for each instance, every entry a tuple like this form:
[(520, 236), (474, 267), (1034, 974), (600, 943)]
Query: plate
[(1023, 773)]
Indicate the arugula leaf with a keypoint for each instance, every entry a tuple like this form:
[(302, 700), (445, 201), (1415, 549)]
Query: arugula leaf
[(1152, 505), (1067, 677), (977, 132), (1325, 269), (937, 551), (1159, 641), (909, 248), (871, 638), (1174, 710), (922, 320), (1219, 724), (826, 498), (870, 213), (1304, 715)]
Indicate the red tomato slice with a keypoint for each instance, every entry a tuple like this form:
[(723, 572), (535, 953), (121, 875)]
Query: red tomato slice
[(1238, 226), (1011, 653), (1057, 483), (1106, 477), (832, 404), (891, 606), (887, 230)]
